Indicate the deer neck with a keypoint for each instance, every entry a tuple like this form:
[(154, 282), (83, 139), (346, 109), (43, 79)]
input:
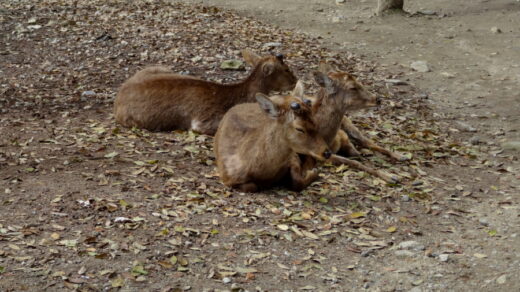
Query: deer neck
[(246, 90), (330, 114)]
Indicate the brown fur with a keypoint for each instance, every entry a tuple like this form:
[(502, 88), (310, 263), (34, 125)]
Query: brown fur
[(257, 147), (340, 93), (157, 99)]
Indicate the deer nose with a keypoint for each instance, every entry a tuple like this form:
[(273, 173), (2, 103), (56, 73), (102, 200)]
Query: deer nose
[(327, 154)]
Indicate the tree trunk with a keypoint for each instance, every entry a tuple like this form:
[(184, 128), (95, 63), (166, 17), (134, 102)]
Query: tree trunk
[(383, 5)]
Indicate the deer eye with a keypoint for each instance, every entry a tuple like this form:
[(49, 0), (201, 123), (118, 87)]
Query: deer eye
[(307, 102), (300, 130)]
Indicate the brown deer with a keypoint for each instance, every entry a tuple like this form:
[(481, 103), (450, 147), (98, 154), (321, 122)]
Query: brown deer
[(157, 99), (257, 144), (340, 93)]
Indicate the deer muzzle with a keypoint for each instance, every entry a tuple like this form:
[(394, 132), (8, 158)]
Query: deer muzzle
[(327, 154)]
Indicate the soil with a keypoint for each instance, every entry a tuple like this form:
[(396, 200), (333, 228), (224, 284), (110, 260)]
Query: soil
[(89, 206)]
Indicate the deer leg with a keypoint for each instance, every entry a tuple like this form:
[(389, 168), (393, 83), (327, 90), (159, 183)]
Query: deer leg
[(354, 133), (208, 128), (303, 172), (345, 145), (337, 160), (247, 187)]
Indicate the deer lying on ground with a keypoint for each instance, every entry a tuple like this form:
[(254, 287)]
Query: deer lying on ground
[(341, 92), (257, 144), (157, 99)]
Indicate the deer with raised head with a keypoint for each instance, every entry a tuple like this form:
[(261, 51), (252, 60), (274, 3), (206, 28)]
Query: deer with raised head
[(341, 93), (257, 144), (157, 99)]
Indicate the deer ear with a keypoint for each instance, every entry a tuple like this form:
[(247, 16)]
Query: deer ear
[(298, 89), (250, 57), (324, 81), (325, 67), (268, 69), (267, 105)]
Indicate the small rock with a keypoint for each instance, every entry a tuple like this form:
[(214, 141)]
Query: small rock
[(511, 145), (396, 82), (502, 279), (338, 2), (483, 221), (448, 75), (226, 280), (475, 140), (272, 45), (337, 19), (411, 245), (404, 254), (495, 29), (88, 93), (428, 12), (420, 66), (405, 198), (464, 127), (32, 20), (444, 257)]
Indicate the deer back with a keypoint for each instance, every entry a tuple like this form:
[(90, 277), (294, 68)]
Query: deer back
[(157, 99)]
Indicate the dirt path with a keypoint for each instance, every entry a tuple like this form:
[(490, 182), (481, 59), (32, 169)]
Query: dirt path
[(89, 206), (472, 49), (474, 71)]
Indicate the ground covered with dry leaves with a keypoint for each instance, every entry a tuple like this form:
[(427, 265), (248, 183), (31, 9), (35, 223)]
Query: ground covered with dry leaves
[(90, 206)]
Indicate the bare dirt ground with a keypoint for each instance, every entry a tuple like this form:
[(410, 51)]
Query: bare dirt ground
[(89, 206)]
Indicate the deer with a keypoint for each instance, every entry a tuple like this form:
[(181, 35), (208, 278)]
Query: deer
[(340, 93), (157, 99), (257, 145)]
